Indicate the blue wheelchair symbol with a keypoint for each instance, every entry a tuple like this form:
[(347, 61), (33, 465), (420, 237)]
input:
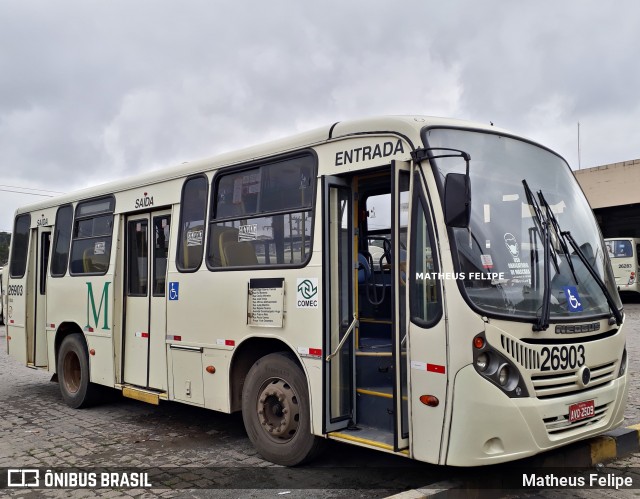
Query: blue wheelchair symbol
[(174, 291), (573, 299)]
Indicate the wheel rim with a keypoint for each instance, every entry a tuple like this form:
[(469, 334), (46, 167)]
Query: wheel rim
[(278, 410), (71, 372)]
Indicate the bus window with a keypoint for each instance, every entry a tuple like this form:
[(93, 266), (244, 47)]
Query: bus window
[(192, 216), (61, 241), (20, 246), (242, 232), (160, 234), (92, 232), (423, 279)]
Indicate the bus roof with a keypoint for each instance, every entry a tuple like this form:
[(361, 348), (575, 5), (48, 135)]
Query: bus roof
[(407, 126)]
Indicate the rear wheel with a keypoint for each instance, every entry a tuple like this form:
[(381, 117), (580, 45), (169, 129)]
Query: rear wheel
[(73, 372), (276, 412)]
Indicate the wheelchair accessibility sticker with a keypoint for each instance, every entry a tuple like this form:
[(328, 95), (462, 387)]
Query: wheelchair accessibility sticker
[(174, 291), (574, 303)]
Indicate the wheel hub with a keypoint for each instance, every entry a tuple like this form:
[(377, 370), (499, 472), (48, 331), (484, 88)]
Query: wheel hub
[(278, 410), (71, 372)]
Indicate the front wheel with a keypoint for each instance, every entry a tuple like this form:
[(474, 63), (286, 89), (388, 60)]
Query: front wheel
[(73, 372), (276, 411)]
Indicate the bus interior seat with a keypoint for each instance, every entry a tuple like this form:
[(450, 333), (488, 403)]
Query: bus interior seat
[(216, 242), (239, 253), (92, 263), (226, 236), (192, 253), (364, 269)]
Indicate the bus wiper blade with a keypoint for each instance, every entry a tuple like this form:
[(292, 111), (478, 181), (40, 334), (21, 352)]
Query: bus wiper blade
[(556, 227), (542, 225), (617, 314)]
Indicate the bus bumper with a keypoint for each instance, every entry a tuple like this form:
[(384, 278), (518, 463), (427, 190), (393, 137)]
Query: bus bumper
[(488, 427)]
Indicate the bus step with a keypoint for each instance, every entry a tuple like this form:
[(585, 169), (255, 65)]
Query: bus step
[(374, 329), (374, 369), (375, 407), (366, 435), (379, 345), (148, 396)]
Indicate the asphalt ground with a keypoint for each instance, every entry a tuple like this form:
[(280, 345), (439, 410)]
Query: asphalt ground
[(201, 453)]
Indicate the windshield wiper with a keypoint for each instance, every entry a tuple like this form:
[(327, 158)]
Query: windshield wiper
[(542, 225), (561, 240), (585, 262)]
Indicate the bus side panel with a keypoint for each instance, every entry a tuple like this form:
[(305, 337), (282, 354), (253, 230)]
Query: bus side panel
[(87, 302), (16, 313), (216, 395), (17, 343), (101, 364)]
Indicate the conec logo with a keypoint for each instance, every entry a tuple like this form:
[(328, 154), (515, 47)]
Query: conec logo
[(307, 293), (307, 289)]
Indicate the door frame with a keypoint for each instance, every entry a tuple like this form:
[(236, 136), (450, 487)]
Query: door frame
[(155, 335), (333, 297)]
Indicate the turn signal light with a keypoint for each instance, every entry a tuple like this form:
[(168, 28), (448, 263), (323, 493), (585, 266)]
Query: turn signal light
[(92, 351), (211, 369), (478, 342), (429, 400)]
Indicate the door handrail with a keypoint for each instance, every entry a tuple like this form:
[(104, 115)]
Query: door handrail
[(354, 323)]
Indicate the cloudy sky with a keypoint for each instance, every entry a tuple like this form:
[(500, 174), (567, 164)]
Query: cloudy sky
[(91, 91)]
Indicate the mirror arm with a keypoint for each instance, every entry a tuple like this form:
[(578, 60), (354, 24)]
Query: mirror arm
[(426, 153)]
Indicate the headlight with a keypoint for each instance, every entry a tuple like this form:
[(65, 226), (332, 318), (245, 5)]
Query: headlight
[(503, 375), (482, 362), (497, 369)]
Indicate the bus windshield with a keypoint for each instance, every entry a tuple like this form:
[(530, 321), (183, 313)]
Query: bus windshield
[(619, 248), (504, 237)]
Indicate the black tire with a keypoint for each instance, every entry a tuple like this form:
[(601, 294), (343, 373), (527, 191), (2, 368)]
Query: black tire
[(73, 372), (276, 411)]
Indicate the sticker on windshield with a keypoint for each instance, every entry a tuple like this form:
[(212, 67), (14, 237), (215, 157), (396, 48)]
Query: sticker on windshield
[(512, 244), (574, 303), (487, 261), (519, 271)]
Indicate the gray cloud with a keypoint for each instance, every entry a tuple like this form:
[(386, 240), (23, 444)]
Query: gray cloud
[(92, 90)]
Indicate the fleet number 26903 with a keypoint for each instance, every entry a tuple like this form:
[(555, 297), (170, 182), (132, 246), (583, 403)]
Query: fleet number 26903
[(562, 357)]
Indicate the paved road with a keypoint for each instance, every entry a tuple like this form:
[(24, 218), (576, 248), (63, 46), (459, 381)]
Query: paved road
[(38, 430)]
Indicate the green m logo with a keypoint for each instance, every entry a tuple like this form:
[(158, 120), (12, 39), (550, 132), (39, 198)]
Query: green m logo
[(91, 307)]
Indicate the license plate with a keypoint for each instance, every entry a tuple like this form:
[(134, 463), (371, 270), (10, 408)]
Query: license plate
[(581, 410)]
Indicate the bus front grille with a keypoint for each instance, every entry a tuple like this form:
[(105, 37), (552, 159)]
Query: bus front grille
[(522, 354), (566, 383)]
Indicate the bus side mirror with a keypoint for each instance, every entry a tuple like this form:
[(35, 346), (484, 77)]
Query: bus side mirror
[(457, 200)]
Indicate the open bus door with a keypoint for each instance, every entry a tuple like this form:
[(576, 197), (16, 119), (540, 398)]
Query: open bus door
[(339, 318), (39, 356), (366, 397)]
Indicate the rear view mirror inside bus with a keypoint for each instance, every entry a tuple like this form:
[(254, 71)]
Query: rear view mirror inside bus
[(457, 200)]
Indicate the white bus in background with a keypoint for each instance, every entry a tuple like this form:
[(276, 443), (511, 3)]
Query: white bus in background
[(432, 288), (624, 253)]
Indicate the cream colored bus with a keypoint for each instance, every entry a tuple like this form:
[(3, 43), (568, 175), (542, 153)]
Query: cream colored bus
[(427, 287), (625, 260), (2, 297)]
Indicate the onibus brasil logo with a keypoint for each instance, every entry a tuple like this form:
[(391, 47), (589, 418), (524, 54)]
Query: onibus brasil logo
[(307, 296)]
